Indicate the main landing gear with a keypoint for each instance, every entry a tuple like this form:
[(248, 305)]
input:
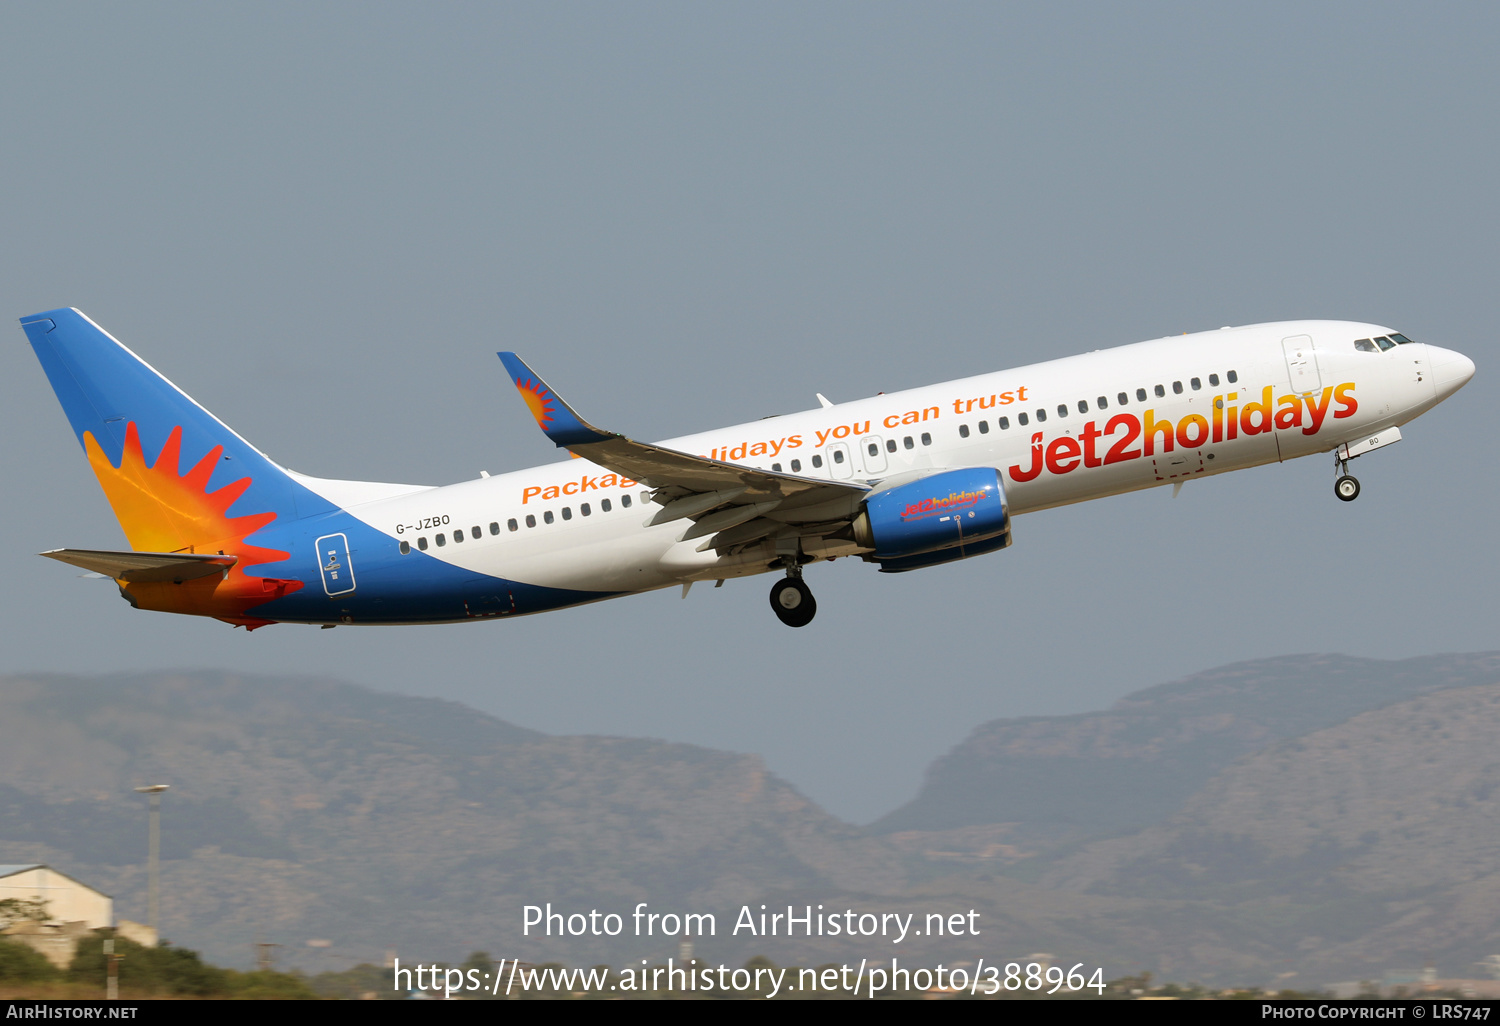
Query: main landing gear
[(793, 600), (1344, 486)]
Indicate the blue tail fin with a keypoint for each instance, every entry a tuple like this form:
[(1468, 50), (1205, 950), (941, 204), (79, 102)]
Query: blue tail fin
[(177, 477)]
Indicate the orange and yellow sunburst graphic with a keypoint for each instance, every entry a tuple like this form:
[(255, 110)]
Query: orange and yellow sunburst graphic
[(164, 511), (538, 401)]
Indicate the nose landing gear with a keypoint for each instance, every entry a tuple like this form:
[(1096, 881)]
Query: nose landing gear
[(1344, 486), (793, 600)]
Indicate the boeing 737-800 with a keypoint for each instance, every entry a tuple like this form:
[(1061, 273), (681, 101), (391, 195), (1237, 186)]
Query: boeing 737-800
[(906, 480)]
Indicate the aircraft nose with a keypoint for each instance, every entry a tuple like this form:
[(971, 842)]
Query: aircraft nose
[(1450, 370)]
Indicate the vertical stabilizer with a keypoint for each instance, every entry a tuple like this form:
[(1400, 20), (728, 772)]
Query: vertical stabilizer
[(176, 476)]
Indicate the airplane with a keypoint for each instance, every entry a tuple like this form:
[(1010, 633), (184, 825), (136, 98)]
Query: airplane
[(905, 480)]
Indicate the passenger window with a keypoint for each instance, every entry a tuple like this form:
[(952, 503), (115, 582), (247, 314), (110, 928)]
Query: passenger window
[(1140, 395), (511, 523), (908, 442), (817, 461), (1062, 409), (890, 445), (494, 527), (1004, 423), (547, 517), (583, 508), (963, 432), (1385, 343), (1197, 383), (530, 520), (645, 497), (1021, 419), (796, 466), (1102, 403), (1160, 392), (1365, 345), (405, 547), (625, 501), (422, 544), (604, 505), (926, 438), (458, 536), (476, 533), (567, 512), (1123, 399), (776, 467), (1213, 379), (1233, 377), (984, 427), (1083, 406), (441, 540), (1041, 416), (838, 455), (1176, 388)]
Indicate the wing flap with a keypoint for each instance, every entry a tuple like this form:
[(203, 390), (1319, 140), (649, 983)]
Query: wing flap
[(666, 468), (143, 566)]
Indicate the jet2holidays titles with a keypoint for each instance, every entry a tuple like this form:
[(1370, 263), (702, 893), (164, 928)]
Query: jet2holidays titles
[(1124, 436)]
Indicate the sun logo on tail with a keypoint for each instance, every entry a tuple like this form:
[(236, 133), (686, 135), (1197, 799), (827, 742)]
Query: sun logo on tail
[(538, 400), (163, 510)]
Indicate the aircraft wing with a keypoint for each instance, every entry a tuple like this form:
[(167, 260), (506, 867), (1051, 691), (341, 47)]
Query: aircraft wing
[(144, 566), (735, 503)]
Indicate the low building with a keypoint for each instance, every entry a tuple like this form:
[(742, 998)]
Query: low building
[(68, 900), (73, 910)]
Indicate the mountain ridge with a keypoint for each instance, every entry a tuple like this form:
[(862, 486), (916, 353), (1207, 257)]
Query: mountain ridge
[(309, 807), (1097, 773)]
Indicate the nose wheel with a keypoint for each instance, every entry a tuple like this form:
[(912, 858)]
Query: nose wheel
[(793, 602), (1344, 486)]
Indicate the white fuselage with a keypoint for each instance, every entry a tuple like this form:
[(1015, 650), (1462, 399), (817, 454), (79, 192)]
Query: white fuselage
[(1058, 431)]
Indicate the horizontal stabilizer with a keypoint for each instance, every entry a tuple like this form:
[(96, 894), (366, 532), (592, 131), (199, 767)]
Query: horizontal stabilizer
[(144, 566)]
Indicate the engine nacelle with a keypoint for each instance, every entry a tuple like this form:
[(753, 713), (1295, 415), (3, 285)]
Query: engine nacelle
[(964, 551), (958, 510)]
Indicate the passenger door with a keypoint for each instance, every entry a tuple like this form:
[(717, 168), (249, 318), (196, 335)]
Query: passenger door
[(1302, 364), (334, 564)]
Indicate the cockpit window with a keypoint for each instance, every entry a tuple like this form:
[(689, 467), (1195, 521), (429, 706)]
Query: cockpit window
[(1384, 343), (1400, 340), (1365, 345)]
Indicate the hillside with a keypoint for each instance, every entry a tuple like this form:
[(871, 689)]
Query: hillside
[(1371, 843), (1328, 814), (1060, 779), (310, 808)]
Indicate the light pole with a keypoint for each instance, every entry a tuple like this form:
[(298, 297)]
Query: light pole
[(153, 901)]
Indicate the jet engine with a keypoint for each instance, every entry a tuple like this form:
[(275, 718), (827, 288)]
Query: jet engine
[(946, 516)]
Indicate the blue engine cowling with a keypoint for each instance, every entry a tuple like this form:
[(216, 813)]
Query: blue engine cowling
[(958, 513), (964, 551)]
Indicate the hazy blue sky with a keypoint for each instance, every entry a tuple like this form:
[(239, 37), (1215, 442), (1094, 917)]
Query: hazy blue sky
[(323, 220)]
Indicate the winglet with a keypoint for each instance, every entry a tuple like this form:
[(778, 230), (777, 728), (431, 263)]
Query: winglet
[(555, 417)]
